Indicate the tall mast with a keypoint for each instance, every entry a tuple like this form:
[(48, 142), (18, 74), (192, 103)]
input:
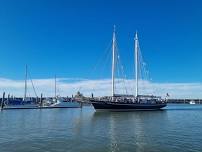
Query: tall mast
[(55, 86), (136, 64), (25, 95), (113, 61)]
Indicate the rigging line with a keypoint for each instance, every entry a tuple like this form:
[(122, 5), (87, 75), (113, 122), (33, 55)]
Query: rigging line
[(32, 84), (106, 55), (117, 63), (116, 67), (139, 64), (123, 74), (118, 75), (145, 71), (91, 72), (29, 94), (120, 65), (105, 63), (103, 67), (141, 70), (124, 80), (58, 90), (120, 72), (106, 52), (144, 68), (101, 71)]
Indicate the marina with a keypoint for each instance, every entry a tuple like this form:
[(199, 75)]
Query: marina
[(100, 76), (36, 102), (41, 103)]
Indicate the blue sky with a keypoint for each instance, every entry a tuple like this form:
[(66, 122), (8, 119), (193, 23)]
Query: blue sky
[(68, 37)]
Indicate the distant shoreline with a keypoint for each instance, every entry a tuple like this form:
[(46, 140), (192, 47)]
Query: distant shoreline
[(176, 101)]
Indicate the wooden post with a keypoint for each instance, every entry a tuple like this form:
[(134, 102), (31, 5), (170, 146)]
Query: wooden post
[(8, 98), (2, 102), (37, 100), (41, 100)]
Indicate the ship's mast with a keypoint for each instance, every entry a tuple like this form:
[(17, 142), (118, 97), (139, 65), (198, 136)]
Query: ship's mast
[(55, 86), (136, 65), (113, 61), (25, 95)]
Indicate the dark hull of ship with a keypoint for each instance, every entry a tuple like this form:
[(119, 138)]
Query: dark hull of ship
[(114, 106)]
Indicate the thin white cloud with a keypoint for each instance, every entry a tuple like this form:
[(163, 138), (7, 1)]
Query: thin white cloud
[(69, 86)]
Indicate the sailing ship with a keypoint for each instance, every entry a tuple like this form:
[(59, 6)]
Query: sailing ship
[(127, 102)]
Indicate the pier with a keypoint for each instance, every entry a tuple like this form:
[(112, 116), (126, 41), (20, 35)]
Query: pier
[(184, 101), (7, 103)]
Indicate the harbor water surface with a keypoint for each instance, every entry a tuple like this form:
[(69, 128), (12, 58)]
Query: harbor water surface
[(177, 128)]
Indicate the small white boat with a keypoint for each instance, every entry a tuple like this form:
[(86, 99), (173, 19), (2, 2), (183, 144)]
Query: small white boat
[(192, 102), (60, 103)]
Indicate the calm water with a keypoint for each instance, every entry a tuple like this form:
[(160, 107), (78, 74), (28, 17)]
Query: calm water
[(178, 128)]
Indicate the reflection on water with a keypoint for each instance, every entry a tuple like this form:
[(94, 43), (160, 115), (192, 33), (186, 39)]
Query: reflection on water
[(129, 129), (113, 136), (178, 128)]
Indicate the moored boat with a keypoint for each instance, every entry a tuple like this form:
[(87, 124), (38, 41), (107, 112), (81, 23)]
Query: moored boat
[(192, 102), (124, 103), (26, 102), (59, 102)]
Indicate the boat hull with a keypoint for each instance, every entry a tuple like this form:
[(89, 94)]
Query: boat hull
[(66, 105), (102, 106), (28, 106)]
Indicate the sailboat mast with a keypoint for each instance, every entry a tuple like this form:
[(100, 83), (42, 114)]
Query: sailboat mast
[(55, 87), (113, 61), (136, 65), (25, 95)]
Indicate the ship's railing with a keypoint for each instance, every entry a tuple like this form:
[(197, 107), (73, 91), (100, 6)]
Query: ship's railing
[(131, 99), (149, 96)]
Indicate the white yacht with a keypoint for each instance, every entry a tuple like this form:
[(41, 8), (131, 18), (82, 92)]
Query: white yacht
[(59, 102), (192, 102)]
